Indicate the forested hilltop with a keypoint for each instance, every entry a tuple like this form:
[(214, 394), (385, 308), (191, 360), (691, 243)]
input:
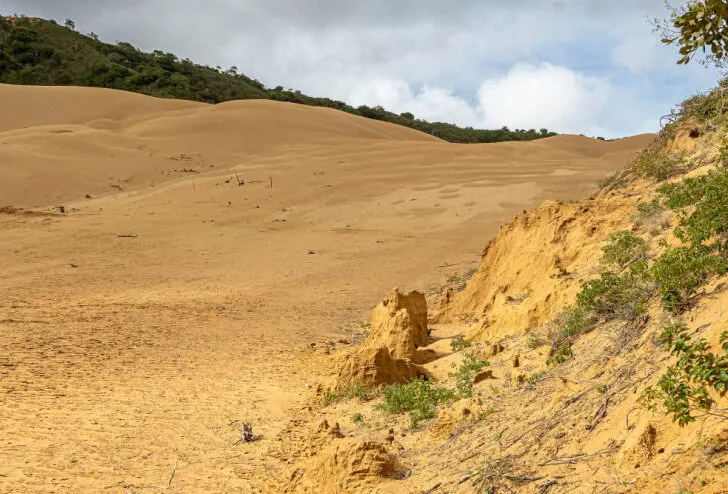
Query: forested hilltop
[(41, 52)]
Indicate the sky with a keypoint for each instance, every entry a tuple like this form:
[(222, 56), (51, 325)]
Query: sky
[(573, 66)]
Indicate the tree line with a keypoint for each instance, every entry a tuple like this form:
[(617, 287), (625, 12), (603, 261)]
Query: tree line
[(42, 52)]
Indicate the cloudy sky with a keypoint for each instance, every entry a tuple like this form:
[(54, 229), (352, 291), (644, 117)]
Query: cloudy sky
[(577, 66)]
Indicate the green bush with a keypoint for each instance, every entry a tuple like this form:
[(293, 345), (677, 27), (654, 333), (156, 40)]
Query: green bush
[(560, 354), (624, 249), (458, 344), (576, 320), (707, 196), (683, 389), (418, 398), (702, 206), (464, 375), (680, 271), (613, 296)]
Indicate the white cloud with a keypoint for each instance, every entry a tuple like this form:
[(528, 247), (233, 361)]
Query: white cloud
[(429, 103), (642, 53), (545, 95), (527, 96), (480, 63)]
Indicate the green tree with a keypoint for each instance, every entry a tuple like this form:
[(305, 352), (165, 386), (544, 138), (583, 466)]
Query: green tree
[(697, 25)]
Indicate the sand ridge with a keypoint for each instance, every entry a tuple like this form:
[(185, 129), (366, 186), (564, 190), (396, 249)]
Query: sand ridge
[(199, 247)]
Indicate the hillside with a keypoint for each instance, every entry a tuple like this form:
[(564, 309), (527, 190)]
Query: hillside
[(40, 52), (588, 352), (173, 268)]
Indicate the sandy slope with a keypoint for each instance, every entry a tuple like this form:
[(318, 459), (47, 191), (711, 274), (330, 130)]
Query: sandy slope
[(123, 356)]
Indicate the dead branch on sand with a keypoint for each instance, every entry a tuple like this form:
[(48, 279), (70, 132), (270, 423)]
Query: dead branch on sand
[(246, 433)]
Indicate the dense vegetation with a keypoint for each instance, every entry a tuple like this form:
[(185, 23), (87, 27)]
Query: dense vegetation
[(676, 271), (40, 52)]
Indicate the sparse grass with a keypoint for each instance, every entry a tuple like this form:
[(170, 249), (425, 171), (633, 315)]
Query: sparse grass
[(658, 166), (356, 390), (535, 341), (458, 344), (454, 278), (484, 414), (357, 418), (651, 218), (616, 180), (330, 398), (418, 398), (534, 378)]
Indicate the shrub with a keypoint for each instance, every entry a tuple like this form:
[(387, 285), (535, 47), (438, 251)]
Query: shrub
[(613, 296), (701, 204), (708, 195), (684, 388), (576, 320), (418, 398), (357, 418), (464, 375), (657, 166), (681, 271), (458, 344), (624, 249), (616, 180), (560, 354)]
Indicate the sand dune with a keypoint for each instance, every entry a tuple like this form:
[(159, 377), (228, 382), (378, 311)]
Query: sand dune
[(124, 355)]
